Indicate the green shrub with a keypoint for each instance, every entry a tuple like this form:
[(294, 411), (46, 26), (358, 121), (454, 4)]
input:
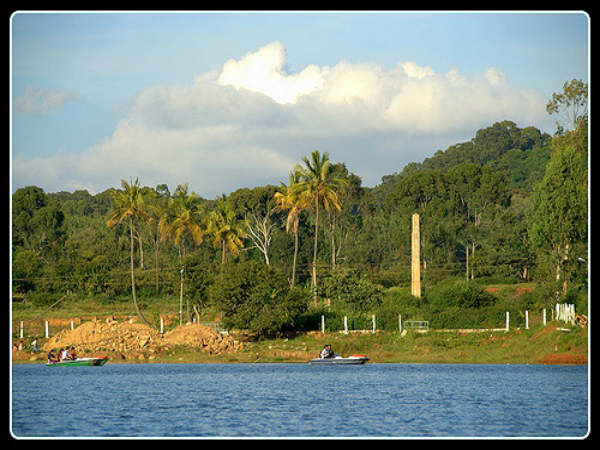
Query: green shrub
[(347, 291), (578, 295), (199, 276), (460, 294), (455, 317), (258, 298), (399, 301), (41, 298), (26, 267)]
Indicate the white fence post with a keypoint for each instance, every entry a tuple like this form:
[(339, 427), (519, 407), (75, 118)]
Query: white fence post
[(373, 323), (400, 323), (572, 313), (21, 330), (322, 324), (565, 312), (346, 324), (527, 320), (162, 325), (544, 316), (47, 334), (507, 319), (72, 325)]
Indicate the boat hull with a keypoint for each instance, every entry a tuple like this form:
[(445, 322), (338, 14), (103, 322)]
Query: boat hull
[(81, 362), (352, 360)]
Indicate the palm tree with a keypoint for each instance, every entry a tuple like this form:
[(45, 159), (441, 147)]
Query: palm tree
[(156, 211), (181, 219), (320, 187), (128, 205), (227, 230), (288, 199)]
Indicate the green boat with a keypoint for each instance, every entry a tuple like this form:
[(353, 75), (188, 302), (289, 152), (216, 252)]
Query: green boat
[(97, 361)]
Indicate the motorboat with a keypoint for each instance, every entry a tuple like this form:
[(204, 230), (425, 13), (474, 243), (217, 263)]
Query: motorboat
[(93, 361), (337, 359)]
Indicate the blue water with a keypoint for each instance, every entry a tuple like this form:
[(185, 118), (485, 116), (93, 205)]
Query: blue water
[(299, 400)]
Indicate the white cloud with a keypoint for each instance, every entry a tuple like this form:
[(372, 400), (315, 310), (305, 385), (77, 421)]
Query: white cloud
[(262, 71), (39, 101), (494, 77), (249, 122), (409, 98), (412, 70)]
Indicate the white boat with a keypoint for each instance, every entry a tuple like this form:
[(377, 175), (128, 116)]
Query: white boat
[(337, 359)]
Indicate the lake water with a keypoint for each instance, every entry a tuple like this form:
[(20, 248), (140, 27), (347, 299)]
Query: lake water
[(299, 400)]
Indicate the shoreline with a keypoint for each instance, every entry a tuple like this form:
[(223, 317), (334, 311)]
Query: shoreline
[(520, 348), (159, 361), (541, 345)]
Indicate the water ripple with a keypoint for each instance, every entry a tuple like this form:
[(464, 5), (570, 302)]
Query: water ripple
[(297, 400)]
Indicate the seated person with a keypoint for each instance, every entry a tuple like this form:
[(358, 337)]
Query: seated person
[(327, 352), (64, 354), (52, 357), (72, 352)]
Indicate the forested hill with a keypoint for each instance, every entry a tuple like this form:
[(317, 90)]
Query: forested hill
[(510, 205), (520, 153)]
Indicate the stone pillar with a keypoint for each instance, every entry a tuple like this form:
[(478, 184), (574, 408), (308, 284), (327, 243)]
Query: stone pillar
[(416, 258)]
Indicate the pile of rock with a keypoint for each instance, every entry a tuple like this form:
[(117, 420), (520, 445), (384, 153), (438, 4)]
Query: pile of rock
[(132, 340), (205, 338)]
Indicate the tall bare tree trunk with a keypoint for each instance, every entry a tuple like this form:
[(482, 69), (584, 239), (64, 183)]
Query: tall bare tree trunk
[(141, 251), (333, 241), (295, 254), (314, 265), (467, 270), (140, 246), (137, 308), (180, 295), (187, 301), (156, 265), (472, 257)]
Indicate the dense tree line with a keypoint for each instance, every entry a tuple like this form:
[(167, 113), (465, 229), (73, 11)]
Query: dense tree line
[(509, 205)]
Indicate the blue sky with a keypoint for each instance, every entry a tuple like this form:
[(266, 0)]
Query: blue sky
[(229, 100)]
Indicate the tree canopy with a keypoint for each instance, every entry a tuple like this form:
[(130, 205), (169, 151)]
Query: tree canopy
[(510, 204)]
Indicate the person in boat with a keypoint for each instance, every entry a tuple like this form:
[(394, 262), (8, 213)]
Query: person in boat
[(327, 352), (52, 357), (70, 355), (64, 354), (72, 352)]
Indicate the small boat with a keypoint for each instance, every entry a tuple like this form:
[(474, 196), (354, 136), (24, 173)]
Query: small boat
[(95, 361), (337, 359)]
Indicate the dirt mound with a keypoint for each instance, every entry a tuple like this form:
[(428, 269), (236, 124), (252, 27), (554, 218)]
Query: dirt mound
[(109, 336), (203, 337), (131, 340)]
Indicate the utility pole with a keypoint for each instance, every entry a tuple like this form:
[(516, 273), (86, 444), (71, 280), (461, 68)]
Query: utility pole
[(416, 258), (181, 295)]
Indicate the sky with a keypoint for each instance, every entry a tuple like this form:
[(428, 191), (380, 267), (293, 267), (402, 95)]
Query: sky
[(226, 100)]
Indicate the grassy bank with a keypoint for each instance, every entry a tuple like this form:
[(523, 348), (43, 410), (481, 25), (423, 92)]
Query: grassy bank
[(541, 345), (554, 343), (549, 344)]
